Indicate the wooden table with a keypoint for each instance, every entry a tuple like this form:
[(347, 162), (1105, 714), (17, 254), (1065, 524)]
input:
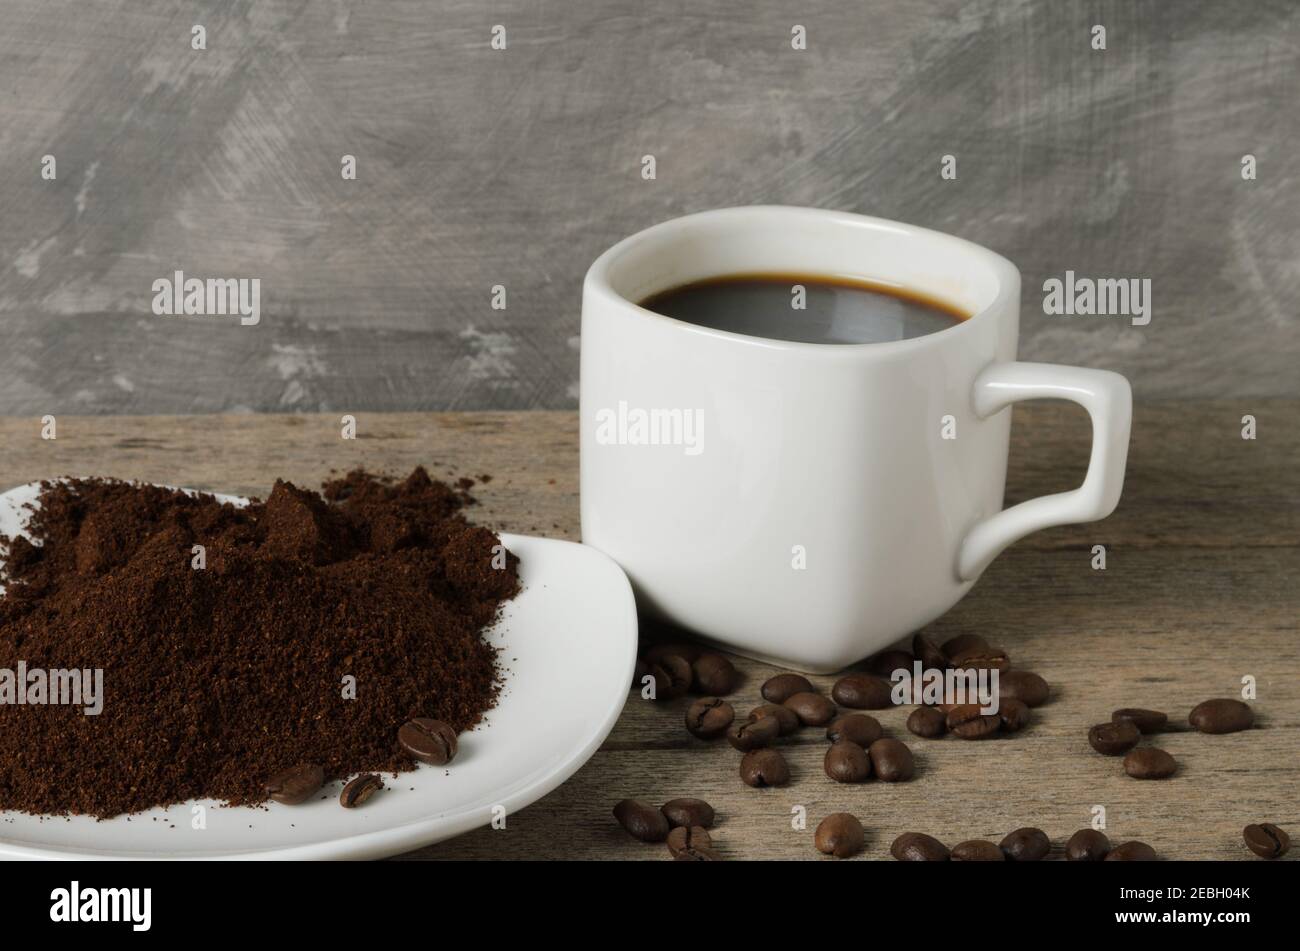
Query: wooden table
[(1201, 588)]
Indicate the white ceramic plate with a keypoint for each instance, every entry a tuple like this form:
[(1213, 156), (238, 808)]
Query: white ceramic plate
[(569, 642)]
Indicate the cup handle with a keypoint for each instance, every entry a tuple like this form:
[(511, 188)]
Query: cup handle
[(1109, 401)]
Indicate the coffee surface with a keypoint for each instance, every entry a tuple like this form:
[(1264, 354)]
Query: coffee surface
[(835, 310)]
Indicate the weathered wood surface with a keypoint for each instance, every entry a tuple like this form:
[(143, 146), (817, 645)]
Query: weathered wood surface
[(477, 168), (1199, 591)]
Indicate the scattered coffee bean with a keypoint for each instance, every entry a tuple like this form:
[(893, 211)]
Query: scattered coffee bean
[(918, 847), (1131, 852), (688, 837), (886, 662), (1221, 716), (963, 642), (782, 687), (862, 692), (641, 821), (709, 717), (1014, 715), (840, 834), (1148, 762), (296, 784), (656, 653), (812, 709), (981, 658), (1147, 721), (359, 790), (928, 653), (1266, 840), (1087, 845), (697, 855), (976, 850), (846, 762), (713, 675), (672, 677), (766, 767), (928, 722), (1026, 845), (970, 723), (891, 760), (430, 741), (856, 727), (688, 812), (1114, 738), (784, 717), (753, 734), (1025, 686)]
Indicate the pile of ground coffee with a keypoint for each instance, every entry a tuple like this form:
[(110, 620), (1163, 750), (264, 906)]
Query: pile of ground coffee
[(216, 678)]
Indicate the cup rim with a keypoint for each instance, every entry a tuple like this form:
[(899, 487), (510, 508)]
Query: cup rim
[(1005, 273)]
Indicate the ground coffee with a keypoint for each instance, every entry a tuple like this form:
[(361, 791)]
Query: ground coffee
[(217, 678)]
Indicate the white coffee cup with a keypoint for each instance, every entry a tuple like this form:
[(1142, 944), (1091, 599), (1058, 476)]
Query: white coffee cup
[(801, 503)]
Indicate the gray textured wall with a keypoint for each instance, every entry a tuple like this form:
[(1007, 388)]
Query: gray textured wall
[(478, 167)]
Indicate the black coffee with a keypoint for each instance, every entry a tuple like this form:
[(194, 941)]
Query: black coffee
[(806, 308)]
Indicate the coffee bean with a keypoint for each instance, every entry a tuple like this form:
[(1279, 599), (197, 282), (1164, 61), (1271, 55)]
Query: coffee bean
[(918, 847), (812, 709), (709, 717), (641, 821), (846, 762), (1114, 738), (1131, 852), (1266, 840), (886, 662), (688, 812), (1087, 845), (640, 671), (927, 722), (862, 692), (655, 653), (782, 687), (753, 734), (1221, 716), (697, 855), (688, 837), (296, 784), (359, 790), (672, 677), (980, 658), (891, 760), (840, 834), (856, 727), (963, 642), (713, 675), (1026, 845), (1025, 686), (931, 657), (760, 768), (428, 740), (970, 723), (1013, 714), (1148, 762), (976, 850), (1147, 721), (784, 716)]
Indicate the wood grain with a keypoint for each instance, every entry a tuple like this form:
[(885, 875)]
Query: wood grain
[(1199, 591), (477, 168)]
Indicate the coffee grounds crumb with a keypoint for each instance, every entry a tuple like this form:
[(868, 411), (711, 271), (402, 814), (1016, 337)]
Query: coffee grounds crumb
[(217, 678)]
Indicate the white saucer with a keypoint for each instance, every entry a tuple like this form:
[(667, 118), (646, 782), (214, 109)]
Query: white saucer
[(569, 642)]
